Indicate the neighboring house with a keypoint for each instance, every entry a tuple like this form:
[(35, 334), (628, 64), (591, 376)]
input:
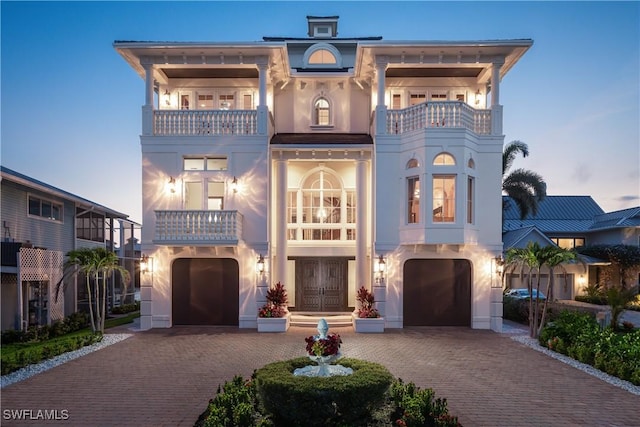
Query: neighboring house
[(326, 164), (40, 224), (569, 222)]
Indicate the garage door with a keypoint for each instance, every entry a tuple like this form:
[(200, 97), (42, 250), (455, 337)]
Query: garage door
[(437, 292), (205, 291)]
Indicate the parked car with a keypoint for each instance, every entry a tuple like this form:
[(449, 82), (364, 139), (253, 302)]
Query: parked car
[(523, 293)]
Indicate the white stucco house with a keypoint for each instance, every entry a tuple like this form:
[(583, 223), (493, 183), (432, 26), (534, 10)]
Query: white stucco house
[(308, 161)]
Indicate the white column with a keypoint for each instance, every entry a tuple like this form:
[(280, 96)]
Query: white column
[(381, 108), (362, 272), (147, 108), (262, 79), (496, 108), (281, 223)]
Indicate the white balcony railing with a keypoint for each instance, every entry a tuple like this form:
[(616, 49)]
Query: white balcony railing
[(447, 114), (183, 227), (205, 122)]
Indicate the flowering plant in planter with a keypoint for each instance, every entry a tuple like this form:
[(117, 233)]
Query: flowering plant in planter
[(365, 302), (329, 346), (276, 302)]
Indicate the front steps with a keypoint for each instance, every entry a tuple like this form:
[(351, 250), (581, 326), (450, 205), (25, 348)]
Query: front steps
[(310, 319)]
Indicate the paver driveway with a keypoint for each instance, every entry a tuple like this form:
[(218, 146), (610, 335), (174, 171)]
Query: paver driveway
[(165, 377)]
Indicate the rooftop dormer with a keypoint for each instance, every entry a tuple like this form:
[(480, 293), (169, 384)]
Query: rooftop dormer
[(323, 27)]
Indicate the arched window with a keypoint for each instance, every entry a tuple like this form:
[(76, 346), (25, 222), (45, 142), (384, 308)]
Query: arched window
[(322, 209), (444, 159), (321, 112), (322, 57), (413, 163)]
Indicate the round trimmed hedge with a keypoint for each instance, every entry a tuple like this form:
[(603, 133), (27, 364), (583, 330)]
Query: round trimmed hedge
[(320, 401)]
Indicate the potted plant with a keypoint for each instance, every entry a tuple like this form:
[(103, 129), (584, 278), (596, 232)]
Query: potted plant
[(273, 316), (366, 318)]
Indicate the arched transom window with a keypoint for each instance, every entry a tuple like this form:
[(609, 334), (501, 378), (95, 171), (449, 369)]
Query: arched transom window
[(323, 57), (321, 209), (444, 159)]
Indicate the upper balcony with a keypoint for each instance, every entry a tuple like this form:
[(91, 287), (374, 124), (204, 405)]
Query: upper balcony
[(444, 114), (205, 122), (198, 227)]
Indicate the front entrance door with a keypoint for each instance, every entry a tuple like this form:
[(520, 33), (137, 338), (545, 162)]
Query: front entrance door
[(321, 284)]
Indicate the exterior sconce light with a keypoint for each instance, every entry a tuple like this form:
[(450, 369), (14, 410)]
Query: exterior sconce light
[(167, 97), (379, 269), (171, 185), (260, 265), (477, 96), (581, 280), (499, 265), (146, 264), (234, 185)]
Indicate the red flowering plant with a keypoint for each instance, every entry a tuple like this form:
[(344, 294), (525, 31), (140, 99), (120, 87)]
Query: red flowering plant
[(276, 302), (365, 302), (329, 346)]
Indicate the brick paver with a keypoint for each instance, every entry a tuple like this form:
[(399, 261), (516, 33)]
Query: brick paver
[(166, 377)]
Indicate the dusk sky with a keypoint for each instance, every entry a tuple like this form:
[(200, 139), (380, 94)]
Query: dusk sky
[(71, 106)]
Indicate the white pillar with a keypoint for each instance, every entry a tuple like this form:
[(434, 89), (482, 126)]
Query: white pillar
[(495, 81), (381, 108), (263, 109), (496, 108), (147, 108), (362, 272), (281, 223)]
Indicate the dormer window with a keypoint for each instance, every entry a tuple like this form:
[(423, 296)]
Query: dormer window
[(322, 55)]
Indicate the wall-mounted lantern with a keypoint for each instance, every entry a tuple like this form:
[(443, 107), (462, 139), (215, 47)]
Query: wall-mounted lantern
[(499, 262), (171, 185), (146, 264), (167, 97), (379, 268), (234, 185), (260, 265)]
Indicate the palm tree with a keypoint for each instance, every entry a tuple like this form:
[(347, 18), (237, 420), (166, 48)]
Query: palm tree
[(554, 257), (526, 188), (95, 264), (522, 259)]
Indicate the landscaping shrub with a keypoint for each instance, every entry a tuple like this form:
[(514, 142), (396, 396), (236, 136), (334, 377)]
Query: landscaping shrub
[(12, 361), (592, 299), (126, 308), (74, 322), (239, 404), (416, 408), (321, 401), (579, 336)]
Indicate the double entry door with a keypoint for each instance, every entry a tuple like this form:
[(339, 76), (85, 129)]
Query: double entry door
[(321, 284)]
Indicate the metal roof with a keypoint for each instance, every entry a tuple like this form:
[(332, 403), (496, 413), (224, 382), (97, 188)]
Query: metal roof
[(557, 207), (11, 175), (623, 218)]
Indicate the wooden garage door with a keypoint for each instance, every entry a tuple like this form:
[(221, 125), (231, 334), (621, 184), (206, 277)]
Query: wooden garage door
[(437, 292), (205, 291)]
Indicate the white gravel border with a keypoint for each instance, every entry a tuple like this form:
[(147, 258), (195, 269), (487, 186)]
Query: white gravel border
[(31, 370), (534, 344)]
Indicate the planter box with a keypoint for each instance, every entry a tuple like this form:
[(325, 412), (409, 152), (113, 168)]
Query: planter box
[(274, 324), (368, 325)]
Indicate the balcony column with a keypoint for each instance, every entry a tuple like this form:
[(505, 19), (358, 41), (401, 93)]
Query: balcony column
[(362, 272), (281, 223), (147, 108), (496, 108), (381, 108), (263, 109)]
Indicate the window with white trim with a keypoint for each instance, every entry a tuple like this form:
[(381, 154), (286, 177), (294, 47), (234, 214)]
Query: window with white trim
[(205, 163), (321, 112), (444, 198), (470, 197), (44, 208), (322, 209), (203, 195)]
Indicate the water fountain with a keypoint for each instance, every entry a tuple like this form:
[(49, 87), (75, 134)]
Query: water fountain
[(323, 349)]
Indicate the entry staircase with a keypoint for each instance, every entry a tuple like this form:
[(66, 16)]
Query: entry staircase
[(310, 319)]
